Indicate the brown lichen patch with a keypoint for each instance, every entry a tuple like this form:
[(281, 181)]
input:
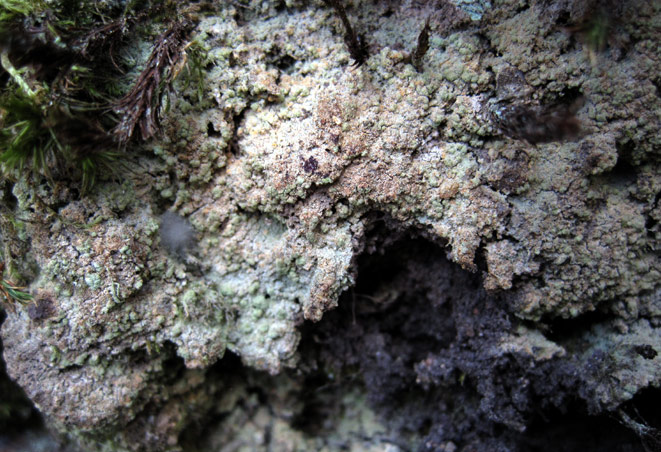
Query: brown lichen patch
[(43, 306), (508, 173), (505, 260)]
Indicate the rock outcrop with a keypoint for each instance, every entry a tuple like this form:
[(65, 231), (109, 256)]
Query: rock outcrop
[(487, 222)]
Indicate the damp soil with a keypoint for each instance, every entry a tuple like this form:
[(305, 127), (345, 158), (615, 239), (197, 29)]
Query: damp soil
[(417, 333), (414, 338)]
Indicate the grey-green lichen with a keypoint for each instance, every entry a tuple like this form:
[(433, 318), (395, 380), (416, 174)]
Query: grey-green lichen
[(282, 165)]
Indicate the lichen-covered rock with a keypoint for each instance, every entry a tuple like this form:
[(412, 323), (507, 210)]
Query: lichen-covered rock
[(291, 164)]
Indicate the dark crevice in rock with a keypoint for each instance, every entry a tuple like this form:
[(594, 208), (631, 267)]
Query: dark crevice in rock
[(633, 427), (9, 201), (202, 427), (642, 417), (624, 170), (657, 84), (378, 362), (416, 335), (400, 312), (173, 366), (21, 424), (212, 132), (162, 204), (569, 95), (381, 230), (254, 391), (566, 330), (652, 224), (524, 6), (233, 145), (573, 430), (316, 417), (481, 257), (277, 58), (563, 19)]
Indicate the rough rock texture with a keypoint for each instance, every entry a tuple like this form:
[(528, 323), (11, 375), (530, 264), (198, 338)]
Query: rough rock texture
[(512, 262)]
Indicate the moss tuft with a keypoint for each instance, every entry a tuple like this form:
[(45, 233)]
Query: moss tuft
[(58, 118), (10, 293)]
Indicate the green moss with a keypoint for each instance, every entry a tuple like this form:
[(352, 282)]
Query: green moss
[(13, 9), (13, 294), (63, 127), (25, 137)]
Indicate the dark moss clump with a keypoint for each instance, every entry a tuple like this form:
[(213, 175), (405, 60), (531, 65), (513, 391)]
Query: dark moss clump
[(64, 85)]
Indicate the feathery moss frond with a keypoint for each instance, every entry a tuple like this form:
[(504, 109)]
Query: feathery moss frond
[(195, 59), (94, 164), (10, 9), (13, 293), (26, 140), (10, 293), (140, 107)]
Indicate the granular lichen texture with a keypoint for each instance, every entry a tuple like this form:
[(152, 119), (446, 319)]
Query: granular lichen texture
[(312, 254)]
